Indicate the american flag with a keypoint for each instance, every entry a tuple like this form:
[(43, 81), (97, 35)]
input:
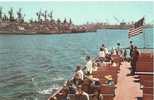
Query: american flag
[(137, 28)]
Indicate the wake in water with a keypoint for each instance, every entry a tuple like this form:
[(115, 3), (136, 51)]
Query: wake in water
[(50, 90)]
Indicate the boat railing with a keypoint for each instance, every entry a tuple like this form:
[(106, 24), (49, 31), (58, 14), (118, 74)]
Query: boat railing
[(146, 50), (142, 50)]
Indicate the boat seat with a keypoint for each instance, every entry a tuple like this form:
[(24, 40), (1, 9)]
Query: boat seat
[(93, 97), (59, 97), (148, 90), (141, 59), (105, 90), (107, 97), (146, 55), (146, 77), (77, 97), (147, 83), (144, 67), (146, 80), (71, 96), (148, 97), (80, 97)]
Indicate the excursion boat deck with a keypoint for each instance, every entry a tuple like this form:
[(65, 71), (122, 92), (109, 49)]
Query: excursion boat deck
[(125, 87)]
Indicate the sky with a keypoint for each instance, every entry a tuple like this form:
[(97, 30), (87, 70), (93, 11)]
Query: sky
[(92, 12)]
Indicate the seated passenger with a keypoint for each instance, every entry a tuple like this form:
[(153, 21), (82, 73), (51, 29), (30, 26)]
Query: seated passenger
[(82, 93), (102, 55), (94, 67), (79, 72), (72, 87), (63, 93), (119, 50), (114, 52), (89, 65), (108, 58), (105, 49), (77, 79), (78, 76)]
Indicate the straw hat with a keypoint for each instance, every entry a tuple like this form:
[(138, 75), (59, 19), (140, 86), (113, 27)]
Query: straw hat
[(108, 77)]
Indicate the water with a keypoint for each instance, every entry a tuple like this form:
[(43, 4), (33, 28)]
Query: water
[(31, 66)]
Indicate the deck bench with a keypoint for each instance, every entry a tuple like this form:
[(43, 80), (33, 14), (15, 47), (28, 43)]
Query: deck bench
[(147, 90), (144, 67), (148, 97)]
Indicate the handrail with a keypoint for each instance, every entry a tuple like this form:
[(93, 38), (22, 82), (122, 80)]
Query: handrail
[(138, 48)]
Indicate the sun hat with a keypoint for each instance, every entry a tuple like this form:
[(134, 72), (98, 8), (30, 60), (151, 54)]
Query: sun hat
[(108, 77)]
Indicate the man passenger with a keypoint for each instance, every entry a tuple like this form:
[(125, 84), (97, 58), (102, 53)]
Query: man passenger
[(134, 59)]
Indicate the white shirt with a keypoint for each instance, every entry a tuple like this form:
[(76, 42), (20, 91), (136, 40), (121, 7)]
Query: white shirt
[(102, 54), (80, 73), (106, 51), (89, 66)]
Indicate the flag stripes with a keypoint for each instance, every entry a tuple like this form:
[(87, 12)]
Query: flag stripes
[(136, 29)]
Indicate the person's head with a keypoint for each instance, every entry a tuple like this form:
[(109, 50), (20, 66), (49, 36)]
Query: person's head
[(103, 45), (78, 67), (130, 42), (88, 58), (118, 44)]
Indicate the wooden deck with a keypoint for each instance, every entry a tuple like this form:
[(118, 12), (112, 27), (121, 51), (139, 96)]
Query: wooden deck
[(127, 89)]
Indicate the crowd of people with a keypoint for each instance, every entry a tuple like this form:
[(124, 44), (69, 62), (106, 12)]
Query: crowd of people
[(83, 79)]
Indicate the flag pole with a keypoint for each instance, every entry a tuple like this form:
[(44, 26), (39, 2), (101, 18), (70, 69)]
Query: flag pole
[(144, 39), (144, 35)]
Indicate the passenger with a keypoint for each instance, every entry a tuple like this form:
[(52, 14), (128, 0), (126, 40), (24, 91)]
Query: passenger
[(105, 49), (102, 54), (125, 54), (64, 92), (118, 49), (72, 87), (82, 93), (114, 52), (89, 65), (134, 59), (108, 58), (78, 77), (79, 72), (103, 46), (94, 67), (96, 83), (131, 49)]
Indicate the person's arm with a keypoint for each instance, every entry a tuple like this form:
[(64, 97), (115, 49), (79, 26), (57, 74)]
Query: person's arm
[(138, 52), (84, 68)]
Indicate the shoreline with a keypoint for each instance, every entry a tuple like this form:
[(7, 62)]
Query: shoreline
[(28, 33), (60, 33)]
